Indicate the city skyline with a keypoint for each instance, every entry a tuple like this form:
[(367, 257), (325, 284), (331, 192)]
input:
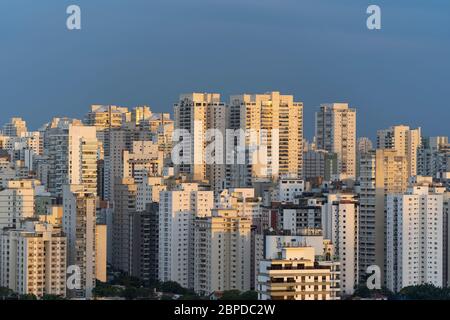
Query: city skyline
[(224, 150), (221, 198), (394, 75)]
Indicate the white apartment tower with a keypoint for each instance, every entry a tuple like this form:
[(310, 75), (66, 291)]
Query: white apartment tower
[(415, 236), (342, 213), (177, 211), (336, 133), (73, 153), (16, 202)]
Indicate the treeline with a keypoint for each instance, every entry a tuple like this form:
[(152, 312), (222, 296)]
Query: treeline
[(8, 294), (131, 288), (419, 292)]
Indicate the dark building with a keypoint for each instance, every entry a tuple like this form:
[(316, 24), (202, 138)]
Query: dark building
[(145, 233), (101, 179)]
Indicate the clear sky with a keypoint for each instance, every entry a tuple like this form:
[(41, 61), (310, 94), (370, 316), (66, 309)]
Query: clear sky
[(134, 52)]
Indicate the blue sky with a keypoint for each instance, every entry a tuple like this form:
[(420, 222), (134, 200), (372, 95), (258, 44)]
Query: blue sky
[(132, 52)]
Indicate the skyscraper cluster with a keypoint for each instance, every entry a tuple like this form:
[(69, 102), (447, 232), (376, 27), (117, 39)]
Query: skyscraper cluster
[(227, 195)]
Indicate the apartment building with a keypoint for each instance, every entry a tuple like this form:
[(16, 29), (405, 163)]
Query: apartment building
[(15, 127), (342, 214), (273, 126), (383, 172), (177, 212), (433, 158), (200, 156), (320, 165), (222, 253), (17, 202), (144, 160), (145, 244), (293, 272), (33, 259), (336, 133), (79, 225), (405, 141), (73, 155), (105, 117), (364, 146), (124, 208), (414, 232)]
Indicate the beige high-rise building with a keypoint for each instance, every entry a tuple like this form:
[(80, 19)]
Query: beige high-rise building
[(33, 259), (162, 128), (17, 202), (383, 172), (79, 225), (101, 241), (106, 117), (145, 160), (222, 252), (54, 214), (241, 199), (405, 141), (201, 157), (140, 115), (336, 133), (118, 141), (273, 126)]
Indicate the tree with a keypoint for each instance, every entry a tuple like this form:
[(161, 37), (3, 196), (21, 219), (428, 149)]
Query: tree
[(249, 295), (105, 290), (28, 296), (424, 292), (130, 293), (6, 293), (231, 295), (362, 291), (52, 297), (127, 281), (237, 295), (173, 287)]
